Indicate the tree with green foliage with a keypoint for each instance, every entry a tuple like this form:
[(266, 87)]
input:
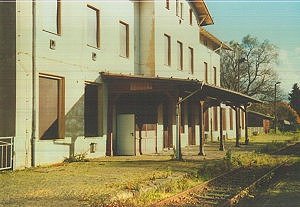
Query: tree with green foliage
[(285, 112), (249, 68), (294, 98)]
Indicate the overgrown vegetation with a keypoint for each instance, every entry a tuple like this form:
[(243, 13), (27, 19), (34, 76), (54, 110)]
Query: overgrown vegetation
[(77, 158), (251, 159), (271, 147)]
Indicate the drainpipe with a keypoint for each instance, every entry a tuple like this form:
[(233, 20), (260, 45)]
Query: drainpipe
[(33, 126)]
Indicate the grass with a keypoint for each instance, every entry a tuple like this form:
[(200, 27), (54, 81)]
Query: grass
[(130, 181)]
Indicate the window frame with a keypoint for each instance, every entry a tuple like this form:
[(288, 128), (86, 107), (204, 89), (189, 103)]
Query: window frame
[(215, 74), (58, 21), (180, 56), (191, 59), (60, 105), (127, 39), (167, 4), (98, 40), (191, 17), (205, 72), (168, 50)]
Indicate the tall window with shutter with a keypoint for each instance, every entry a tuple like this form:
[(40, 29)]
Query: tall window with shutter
[(52, 16), (179, 56), (167, 4), (191, 60), (215, 75), (177, 7), (205, 72), (191, 17), (51, 107), (93, 26), (167, 40), (124, 39)]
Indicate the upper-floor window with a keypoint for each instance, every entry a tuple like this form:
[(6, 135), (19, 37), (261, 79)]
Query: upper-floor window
[(93, 26), (167, 4), (167, 40), (179, 56), (124, 39), (215, 75), (179, 9), (191, 60), (52, 16), (205, 72), (191, 17)]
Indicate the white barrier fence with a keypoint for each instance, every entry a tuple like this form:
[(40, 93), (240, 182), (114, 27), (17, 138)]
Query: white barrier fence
[(6, 153)]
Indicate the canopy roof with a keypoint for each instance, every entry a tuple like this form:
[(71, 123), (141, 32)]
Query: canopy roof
[(204, 91), (214, 39), (202, 12), (264, 116)]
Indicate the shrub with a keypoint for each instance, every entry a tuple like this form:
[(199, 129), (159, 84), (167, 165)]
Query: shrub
[(77, 158)]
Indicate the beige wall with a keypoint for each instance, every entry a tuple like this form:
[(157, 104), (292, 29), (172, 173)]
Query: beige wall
[(72, 59)]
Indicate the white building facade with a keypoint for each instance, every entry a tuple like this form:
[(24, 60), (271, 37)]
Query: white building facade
[(96, 77)]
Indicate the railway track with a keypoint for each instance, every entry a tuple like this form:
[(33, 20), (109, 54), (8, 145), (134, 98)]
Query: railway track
[(227, 189)]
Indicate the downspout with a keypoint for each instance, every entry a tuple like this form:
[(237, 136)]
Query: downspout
[(33, 126)]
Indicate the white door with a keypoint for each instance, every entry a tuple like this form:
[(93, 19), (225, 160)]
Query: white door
[(126, 134)]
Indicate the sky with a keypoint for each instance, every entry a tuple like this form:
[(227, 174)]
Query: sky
[(276, 21)]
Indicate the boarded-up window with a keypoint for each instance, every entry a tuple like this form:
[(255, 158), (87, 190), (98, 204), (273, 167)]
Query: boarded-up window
[(224, 124), (179, 56), (206, 121), (191, 17), (215, 75), (52, 16), (93, 26), (124, 40), (191, 60), (91, 110), (51, 107), (243, 119), (215, 112), (167, 4), (231, 118), (167, 40), (205, 72)]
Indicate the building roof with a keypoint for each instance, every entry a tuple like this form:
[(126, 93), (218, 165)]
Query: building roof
[(202, 12), (205, 90), (214, 39), (264, 116)]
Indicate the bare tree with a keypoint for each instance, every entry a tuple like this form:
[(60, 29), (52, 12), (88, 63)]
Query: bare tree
[(249, 68)]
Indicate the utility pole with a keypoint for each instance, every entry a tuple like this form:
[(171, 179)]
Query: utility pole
[(275, 112)]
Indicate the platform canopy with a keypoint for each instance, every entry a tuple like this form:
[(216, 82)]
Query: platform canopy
[(204, 92)]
